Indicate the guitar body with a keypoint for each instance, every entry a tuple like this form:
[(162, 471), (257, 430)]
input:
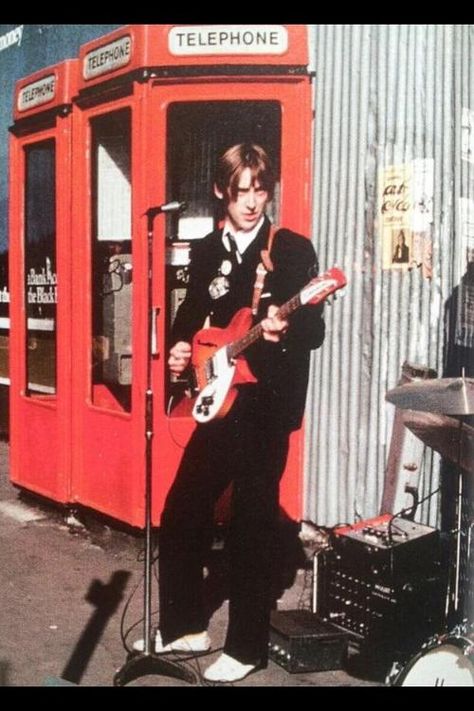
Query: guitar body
[(216, 375)]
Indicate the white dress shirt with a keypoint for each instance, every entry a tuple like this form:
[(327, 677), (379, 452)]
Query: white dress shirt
[(242, 239)]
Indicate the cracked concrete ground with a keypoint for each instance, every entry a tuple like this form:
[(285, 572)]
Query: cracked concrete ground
[(70, 583)]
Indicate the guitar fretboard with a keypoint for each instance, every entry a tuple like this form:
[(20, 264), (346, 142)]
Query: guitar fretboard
[(236, 347)]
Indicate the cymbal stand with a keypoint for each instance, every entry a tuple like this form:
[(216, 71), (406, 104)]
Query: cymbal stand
[(458, 529), (453, 595), (458, 524)]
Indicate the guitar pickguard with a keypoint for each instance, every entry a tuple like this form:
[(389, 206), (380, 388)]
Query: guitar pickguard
[(213, 396)]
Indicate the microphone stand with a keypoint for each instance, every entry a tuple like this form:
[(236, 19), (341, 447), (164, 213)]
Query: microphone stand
[(146, 662)]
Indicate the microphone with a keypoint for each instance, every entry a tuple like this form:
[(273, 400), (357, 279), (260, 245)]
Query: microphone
[(173, 206)]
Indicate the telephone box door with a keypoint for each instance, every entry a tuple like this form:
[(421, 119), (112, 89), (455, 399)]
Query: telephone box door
[(40, 343), (39, 407), (109, 307)]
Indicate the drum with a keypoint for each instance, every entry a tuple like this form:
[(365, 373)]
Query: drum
[(443, 661)]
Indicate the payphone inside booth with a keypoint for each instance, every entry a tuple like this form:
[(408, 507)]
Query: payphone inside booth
[(40, 179), (155, 106)]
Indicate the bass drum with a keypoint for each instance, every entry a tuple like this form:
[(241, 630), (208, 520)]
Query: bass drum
[(446, 661)]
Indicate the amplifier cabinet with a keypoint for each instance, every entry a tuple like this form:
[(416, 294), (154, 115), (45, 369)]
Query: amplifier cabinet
[(300, 642), (384, 587)]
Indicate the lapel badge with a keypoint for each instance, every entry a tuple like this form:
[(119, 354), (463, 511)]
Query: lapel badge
[(219, 287)]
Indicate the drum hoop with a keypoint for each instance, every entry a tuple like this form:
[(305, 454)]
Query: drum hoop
[(464, 644)]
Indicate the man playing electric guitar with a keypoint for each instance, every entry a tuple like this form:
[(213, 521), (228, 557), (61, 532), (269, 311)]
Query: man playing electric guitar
[(245, 264)]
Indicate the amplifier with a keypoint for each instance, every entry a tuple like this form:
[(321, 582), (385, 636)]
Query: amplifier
[(382, 583), (391, 545), (300, 642)]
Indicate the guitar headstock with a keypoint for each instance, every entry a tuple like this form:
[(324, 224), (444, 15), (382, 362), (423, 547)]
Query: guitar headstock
[(322, 286)]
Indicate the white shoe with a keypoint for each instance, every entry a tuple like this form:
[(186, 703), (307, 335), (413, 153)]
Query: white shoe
[(189, 643), (227, 669)]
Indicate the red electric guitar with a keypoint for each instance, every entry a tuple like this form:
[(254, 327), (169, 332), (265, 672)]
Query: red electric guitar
[(217, 352)]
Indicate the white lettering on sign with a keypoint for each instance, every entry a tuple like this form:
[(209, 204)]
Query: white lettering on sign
[(43, 295), (10, 38), (228, 39), (45, 277), (107, 58), (42, 286), (37, 93)]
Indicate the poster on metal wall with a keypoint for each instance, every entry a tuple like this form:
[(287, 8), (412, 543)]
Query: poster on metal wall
[(395, 216), (406, 215)]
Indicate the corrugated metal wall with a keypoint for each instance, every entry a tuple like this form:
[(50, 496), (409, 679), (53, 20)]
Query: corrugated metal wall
[(384, 95)]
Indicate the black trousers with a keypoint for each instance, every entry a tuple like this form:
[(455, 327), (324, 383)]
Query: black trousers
[(249, 449)]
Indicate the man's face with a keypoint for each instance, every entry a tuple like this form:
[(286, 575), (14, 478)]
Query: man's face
[(246, 210)]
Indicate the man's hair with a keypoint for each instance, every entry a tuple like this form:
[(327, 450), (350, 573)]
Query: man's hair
[(235, 160)]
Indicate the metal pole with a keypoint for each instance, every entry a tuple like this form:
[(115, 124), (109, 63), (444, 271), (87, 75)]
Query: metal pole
[(141, 663)]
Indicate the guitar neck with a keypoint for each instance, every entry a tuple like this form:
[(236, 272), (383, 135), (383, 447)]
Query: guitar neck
[(237, 347)]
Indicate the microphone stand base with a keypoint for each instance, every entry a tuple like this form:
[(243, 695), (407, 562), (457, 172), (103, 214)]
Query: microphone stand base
[(139, 664)]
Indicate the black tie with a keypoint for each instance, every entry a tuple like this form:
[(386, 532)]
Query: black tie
[(233, 250)]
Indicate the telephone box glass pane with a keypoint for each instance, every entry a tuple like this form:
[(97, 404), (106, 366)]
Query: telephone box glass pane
[(111, 261), (40, 268), (197, 133)]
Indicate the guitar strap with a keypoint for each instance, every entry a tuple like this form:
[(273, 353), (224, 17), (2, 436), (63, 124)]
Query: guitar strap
[(263, 267)]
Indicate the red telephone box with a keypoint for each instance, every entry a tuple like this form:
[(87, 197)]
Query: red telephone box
[(155, 106), (40, 377)]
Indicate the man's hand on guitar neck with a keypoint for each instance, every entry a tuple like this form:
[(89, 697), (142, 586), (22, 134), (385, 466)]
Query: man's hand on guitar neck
[(273, 327), (179, 358)]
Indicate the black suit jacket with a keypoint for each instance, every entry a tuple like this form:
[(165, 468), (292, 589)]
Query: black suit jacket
[(282, 368)]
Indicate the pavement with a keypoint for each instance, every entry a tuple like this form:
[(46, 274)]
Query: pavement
[(72, 586)]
